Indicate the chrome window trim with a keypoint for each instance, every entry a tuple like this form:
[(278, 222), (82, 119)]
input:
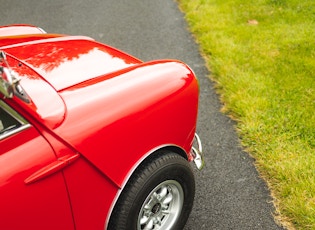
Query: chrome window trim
[(14, 131), (15, 115)]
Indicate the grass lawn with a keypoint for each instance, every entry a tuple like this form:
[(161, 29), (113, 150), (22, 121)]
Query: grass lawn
[(261, 54)]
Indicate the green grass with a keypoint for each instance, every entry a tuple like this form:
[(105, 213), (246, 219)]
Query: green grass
[(261, 54)]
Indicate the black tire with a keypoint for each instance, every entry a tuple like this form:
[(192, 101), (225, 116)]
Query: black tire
[(165, 176)]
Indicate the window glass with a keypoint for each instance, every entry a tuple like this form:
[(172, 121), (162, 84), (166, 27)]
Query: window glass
[(10, 121)]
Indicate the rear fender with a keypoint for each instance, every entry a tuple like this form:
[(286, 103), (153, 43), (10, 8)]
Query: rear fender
[(119, 121)]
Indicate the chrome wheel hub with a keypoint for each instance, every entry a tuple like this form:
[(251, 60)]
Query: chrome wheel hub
[(162, 207)]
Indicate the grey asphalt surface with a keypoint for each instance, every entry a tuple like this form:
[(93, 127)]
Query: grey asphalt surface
[(230, 194)]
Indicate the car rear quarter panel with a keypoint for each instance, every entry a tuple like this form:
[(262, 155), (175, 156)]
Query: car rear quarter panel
[(115, 122)]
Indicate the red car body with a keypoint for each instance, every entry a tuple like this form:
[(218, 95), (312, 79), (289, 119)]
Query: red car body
[(92, 115)]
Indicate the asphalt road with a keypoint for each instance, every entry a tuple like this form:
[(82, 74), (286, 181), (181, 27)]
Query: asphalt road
[(230, 194)]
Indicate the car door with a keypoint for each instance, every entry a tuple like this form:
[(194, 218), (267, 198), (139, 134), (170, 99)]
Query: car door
[(41, 204)]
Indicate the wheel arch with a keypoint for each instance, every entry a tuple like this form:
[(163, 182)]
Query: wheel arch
[(171, 148), (146, 157)]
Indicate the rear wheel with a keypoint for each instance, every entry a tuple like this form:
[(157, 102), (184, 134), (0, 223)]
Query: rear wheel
[(158, 196)]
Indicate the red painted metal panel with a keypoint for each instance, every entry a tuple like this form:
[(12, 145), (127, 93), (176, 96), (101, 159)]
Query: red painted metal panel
[(34, 206)]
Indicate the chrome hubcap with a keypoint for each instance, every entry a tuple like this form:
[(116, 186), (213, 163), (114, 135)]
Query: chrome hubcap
[(162, 206)]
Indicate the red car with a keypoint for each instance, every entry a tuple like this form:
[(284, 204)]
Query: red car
[(91, 137)]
